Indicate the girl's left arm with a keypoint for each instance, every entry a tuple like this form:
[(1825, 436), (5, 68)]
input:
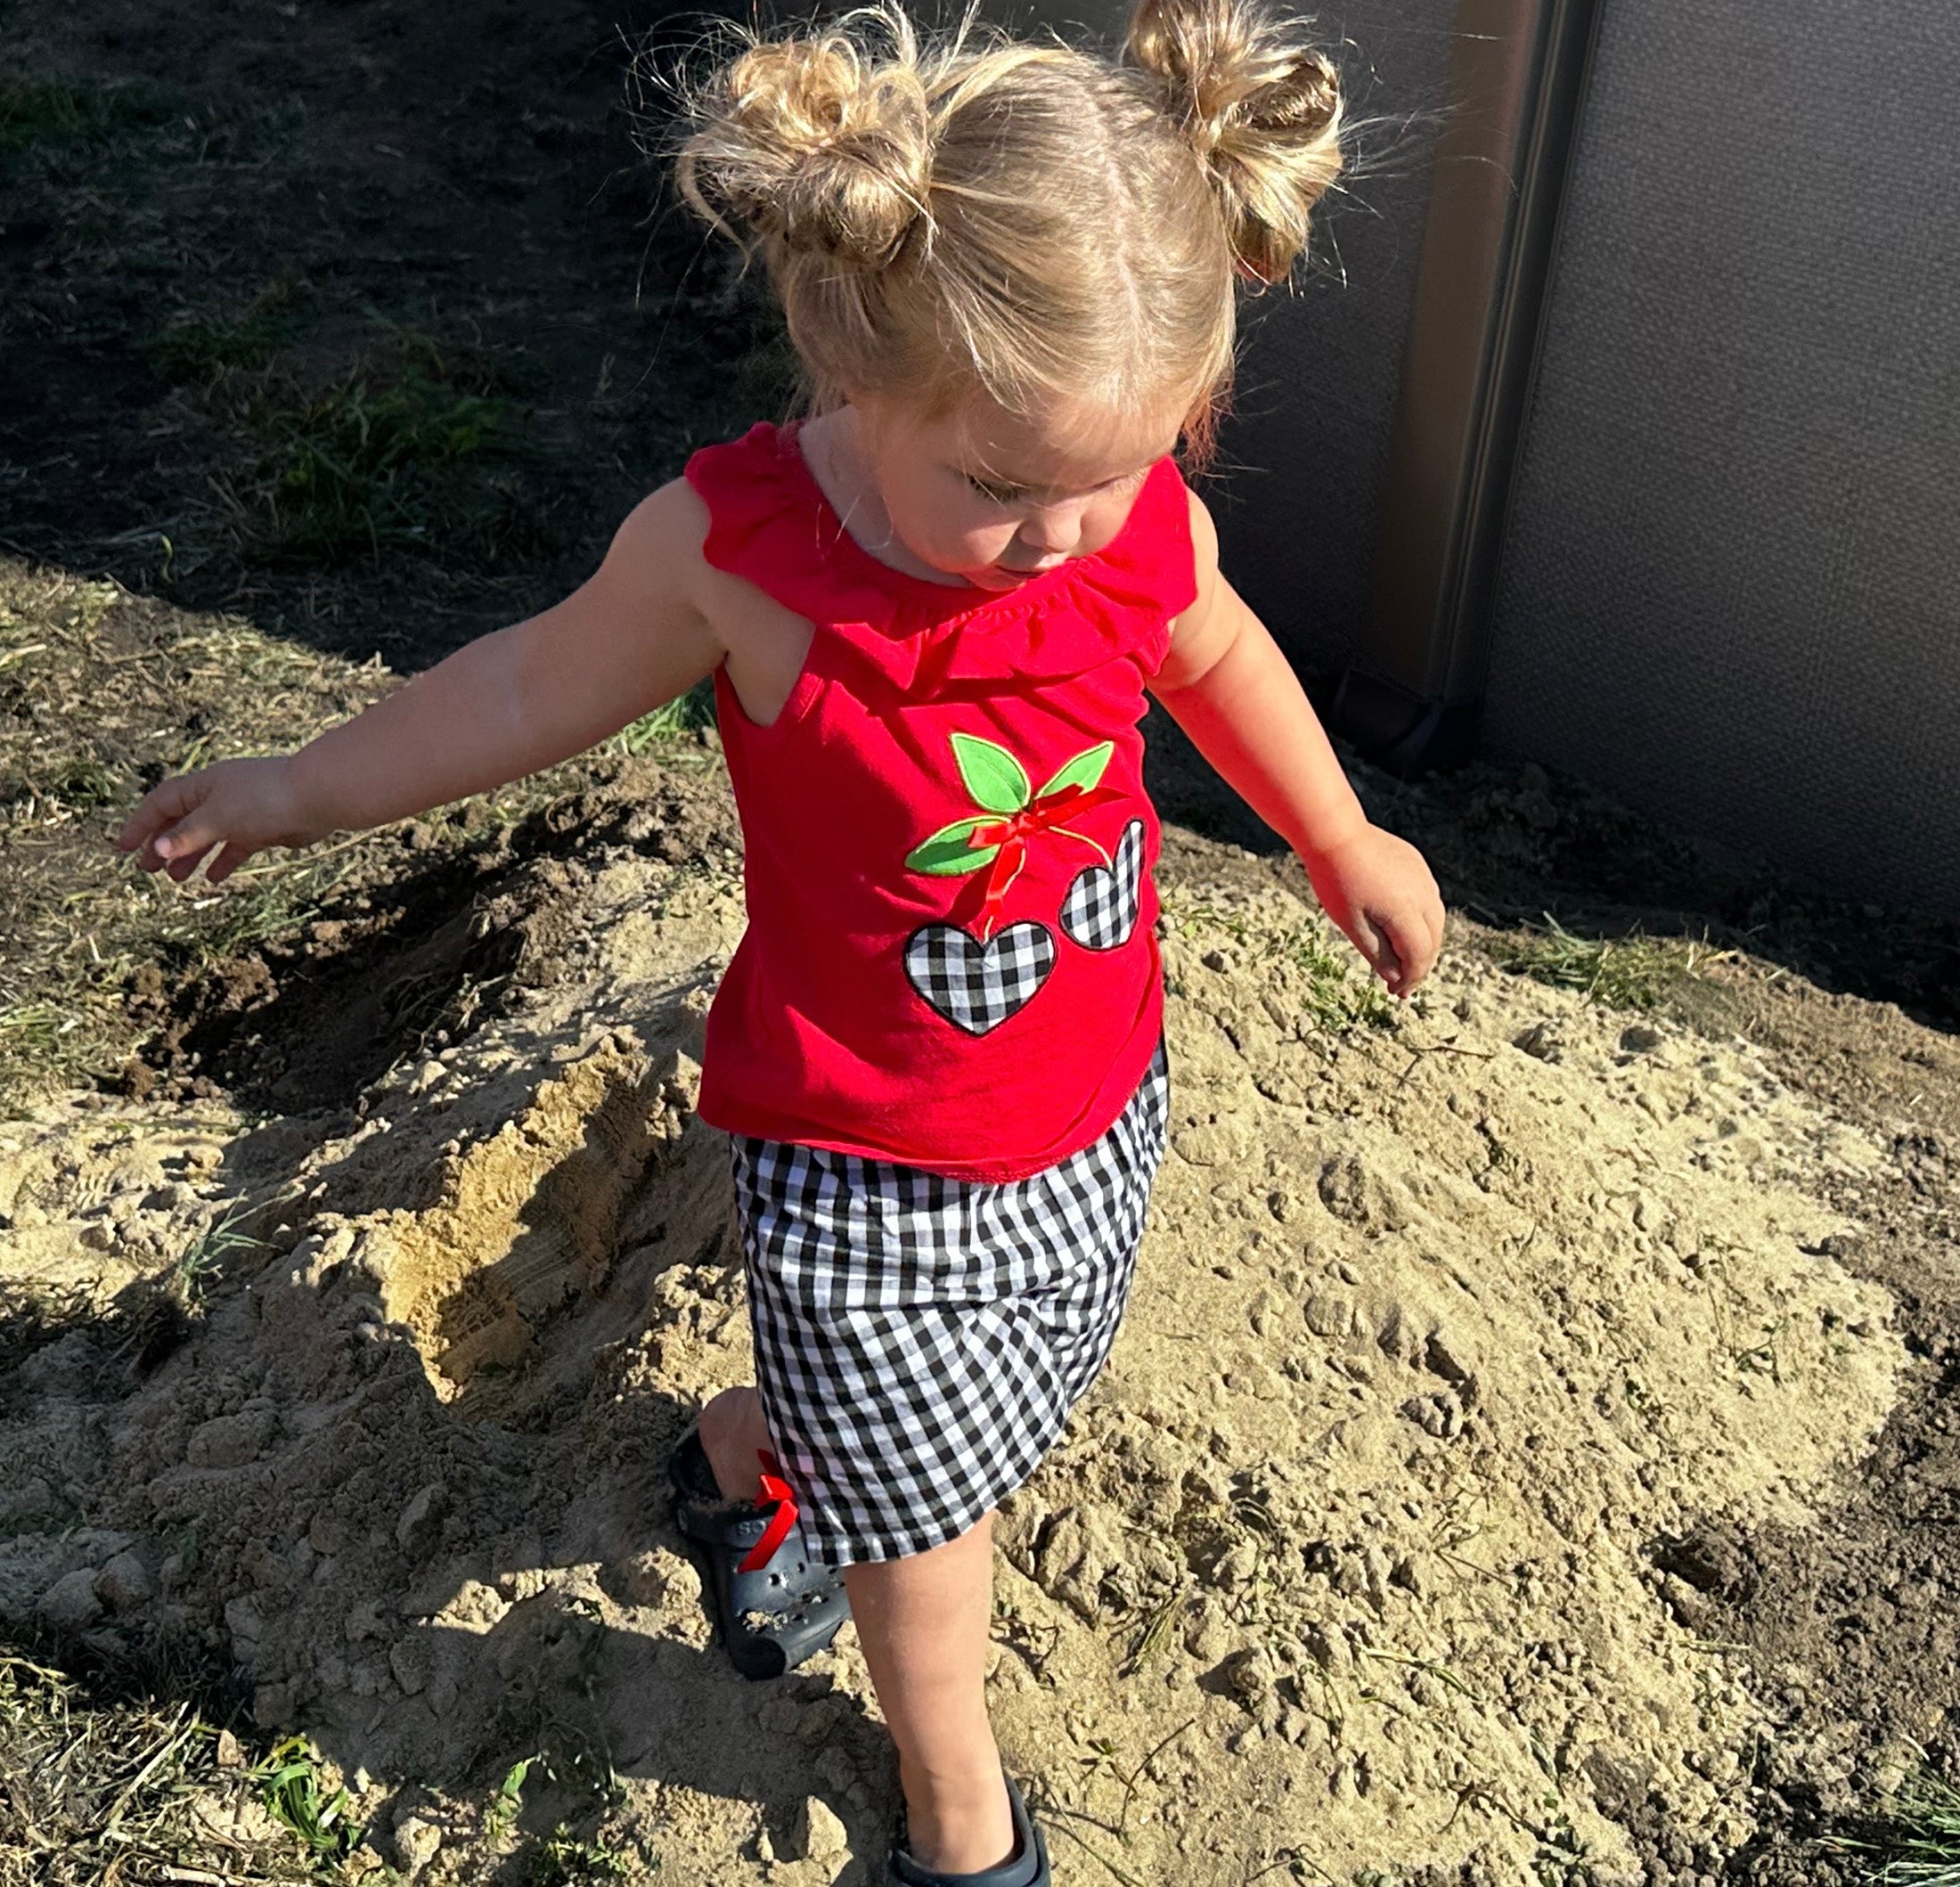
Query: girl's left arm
[(1228, 686)]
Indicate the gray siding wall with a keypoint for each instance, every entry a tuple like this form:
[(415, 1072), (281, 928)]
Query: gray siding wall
[(1732, 587), (1297, 498)]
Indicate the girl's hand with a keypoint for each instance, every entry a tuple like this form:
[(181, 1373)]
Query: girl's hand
[(1377, 888), (226, 812)]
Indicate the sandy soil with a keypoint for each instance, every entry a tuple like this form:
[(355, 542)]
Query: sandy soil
[(1385, 1544), (1531, 1456)]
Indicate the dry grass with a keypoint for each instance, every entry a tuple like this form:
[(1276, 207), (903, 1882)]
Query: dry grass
[(1633, 972), (109, 1782), (101, 695)]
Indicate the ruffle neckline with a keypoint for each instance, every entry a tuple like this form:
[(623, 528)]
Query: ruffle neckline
[(771, 523)]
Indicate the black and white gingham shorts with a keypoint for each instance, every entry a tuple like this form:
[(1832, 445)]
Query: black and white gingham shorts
[(919, 1340)]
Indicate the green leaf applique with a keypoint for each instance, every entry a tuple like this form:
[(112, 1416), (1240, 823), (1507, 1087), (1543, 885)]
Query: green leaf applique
[(949, 853), (995, 778), (1084, 770)]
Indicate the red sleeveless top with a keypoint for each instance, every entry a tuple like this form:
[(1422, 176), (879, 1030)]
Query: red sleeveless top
[(950, 958)]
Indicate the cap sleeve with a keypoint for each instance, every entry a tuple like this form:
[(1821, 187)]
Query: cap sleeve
[(763, 527), (1147, 576)]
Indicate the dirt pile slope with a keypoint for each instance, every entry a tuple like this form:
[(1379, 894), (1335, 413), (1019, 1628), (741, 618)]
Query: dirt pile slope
[(1371, 1557)]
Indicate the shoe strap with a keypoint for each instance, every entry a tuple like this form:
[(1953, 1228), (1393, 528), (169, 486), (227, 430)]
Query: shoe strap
[(774, 1487)]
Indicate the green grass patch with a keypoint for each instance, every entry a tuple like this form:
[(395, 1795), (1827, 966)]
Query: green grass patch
[(1336, 997), (303, 1798), (682, 715), (191, 346), (1915, 1841), (39, 112), (1634, 972), (414, 448)]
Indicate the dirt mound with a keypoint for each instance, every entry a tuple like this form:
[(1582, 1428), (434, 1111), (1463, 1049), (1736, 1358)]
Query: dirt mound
[(1376, 1548)]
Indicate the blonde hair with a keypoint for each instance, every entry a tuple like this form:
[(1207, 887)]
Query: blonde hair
[(1028, 219)]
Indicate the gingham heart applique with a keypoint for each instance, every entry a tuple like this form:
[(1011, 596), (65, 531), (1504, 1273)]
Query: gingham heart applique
[(1101, 909), (976, 986)]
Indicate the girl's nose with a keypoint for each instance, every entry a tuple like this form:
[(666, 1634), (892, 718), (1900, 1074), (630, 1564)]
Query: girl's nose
[(1051, 534)]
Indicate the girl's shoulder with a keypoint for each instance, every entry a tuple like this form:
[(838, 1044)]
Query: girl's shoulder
[(724, 494)]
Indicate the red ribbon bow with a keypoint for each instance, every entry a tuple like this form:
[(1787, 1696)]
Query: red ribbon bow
[(1012, 833), (774, 1487)]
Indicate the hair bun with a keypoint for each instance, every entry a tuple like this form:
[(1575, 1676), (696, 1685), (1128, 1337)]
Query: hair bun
[(817, 144), (1261, 108)]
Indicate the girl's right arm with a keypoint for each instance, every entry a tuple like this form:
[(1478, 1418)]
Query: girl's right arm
[(509, 703)]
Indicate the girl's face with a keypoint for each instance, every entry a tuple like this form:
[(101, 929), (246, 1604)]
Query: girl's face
[(981, 495)]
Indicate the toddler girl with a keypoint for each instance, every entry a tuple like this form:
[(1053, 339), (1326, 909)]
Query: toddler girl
[(932, 612)]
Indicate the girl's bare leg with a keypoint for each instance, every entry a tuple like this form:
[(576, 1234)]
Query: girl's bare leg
[(732, 1435), (924, 1624)]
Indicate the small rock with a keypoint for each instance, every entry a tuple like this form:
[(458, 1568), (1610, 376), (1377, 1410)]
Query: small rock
[(420, 1529), (819, 1719), (475, 1606), (364, 1622), (411, 1661), (1222, 1142), (69, 1603), (242, 1620), (1207, 1638), (1249, 1673), (417, 1843), (837, 1768), (658, 1579), (1446, 1359), (123, 1584), (231, 1752), (1690, 1606), (231, 1441), (329, 1534), (1237, 1567), (1328, 1646), (779, 1716), (816, 1835), (1621, 1782), (100, 1545), (1541, 1042)]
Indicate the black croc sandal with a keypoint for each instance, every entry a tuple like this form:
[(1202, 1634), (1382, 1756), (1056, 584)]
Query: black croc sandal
[(1028, 1867), (773, 1605)]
